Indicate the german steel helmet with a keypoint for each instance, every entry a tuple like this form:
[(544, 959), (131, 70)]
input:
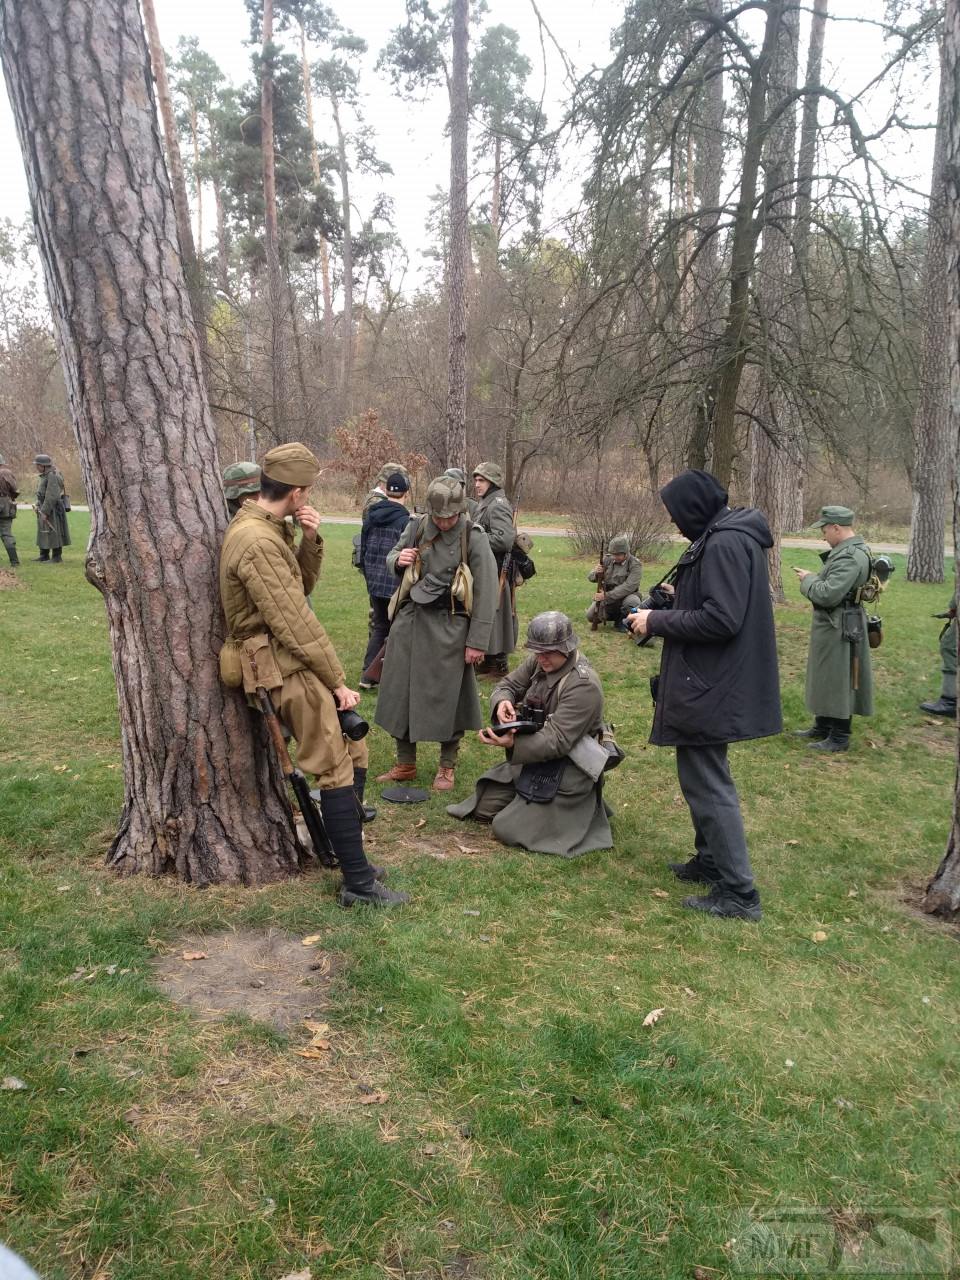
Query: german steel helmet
[(489, 471), (43, 460), (619, 546), (241, 478), (446, 497), (457, 473), (551, 633)]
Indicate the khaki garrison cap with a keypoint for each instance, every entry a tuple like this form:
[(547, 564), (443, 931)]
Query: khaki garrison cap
[(291, 464), (833, 515)]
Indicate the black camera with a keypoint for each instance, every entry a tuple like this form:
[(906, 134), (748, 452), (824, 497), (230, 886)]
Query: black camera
[(352, 725), (656, 598), (529, 720)]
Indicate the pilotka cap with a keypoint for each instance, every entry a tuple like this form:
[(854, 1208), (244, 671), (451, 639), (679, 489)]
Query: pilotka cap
[(291, 464), (833, 515)]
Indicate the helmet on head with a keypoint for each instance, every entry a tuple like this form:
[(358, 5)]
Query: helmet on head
[(446, 497), (619, 546), (489, 471), (43, 460), (551, 633), (457, 473), (240, 479)]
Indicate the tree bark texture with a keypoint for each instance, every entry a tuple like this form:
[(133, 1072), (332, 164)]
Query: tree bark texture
[(746, 229), (931, 423), (943, 892), (278, 381), (346, 350), (456, 434), (770, 471), (201, 800)]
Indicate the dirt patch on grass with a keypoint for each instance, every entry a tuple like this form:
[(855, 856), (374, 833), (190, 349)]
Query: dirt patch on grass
[(270, 977), (9, 581), (908, 897)]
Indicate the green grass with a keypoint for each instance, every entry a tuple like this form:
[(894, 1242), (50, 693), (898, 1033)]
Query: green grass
[(534, 1127)]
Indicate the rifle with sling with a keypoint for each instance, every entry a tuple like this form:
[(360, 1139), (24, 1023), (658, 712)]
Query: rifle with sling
[(297, 780), (506, 569), (600, 613)]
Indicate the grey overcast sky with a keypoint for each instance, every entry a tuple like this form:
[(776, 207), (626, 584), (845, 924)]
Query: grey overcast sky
[(411, 136)]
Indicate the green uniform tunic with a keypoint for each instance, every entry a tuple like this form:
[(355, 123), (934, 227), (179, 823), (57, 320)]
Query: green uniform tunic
[(52, 528), (830, 666), (577, 819), (427, 692), (621, 584), (494, 515)]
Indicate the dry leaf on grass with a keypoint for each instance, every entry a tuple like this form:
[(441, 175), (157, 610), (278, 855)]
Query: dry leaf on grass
[(133, 1115), (820, 936), (660, 893), (311, 940), (195, 955), (12, 1082), (421, 823), (653, 1016), (465, 848), (388, 1132), (793, 842), (305, 1274)]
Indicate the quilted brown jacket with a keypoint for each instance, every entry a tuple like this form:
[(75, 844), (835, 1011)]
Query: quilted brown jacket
[(264, 584)]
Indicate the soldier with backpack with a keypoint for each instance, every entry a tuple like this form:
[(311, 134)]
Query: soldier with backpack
[(441, 614)]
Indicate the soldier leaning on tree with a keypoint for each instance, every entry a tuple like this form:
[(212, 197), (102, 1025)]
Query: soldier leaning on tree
[(839, 672), (53, 532), (621, 572), (241, 480), (946, 704), (264, 585), (556, 680), (494, 515), (8, 510)]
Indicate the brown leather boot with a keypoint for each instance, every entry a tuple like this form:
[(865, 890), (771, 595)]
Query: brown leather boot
[(399, 773), (444, 779)]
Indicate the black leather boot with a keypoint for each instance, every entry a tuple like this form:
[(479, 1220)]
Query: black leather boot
[(367, 812), (837, 740), (43, 557), (14, 558), (58, 555), (342, 821), (819, 730), (943, 706)]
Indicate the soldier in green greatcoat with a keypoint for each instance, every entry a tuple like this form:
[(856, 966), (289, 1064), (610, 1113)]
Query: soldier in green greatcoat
[(8, 510), (53, 532), (946, 704), (494, 515), (839, 674), (620, 570), (439, 632), (241, 480)]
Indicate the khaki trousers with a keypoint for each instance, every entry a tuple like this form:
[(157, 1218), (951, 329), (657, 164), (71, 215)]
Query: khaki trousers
[(309, 710)]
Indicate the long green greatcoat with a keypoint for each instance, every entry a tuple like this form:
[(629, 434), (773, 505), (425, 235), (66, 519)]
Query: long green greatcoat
[(577, 819), (427, 692), (494, 515), (52, 528), (830, 690)]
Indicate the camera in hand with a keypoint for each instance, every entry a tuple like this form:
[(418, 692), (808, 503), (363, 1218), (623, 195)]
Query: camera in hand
[(529, 720), (352, 725), (656, 598)]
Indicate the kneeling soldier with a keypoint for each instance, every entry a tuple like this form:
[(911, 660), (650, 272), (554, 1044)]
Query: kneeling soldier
[(283, 648), (560, 687), (620, 570)]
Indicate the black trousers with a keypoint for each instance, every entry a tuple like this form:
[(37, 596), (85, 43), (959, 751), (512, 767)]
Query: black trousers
[(379, 630), (708, 789)]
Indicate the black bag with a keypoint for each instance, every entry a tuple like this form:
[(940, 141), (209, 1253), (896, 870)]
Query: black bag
[(524, 565), (851, 624), (539, 783), (615, 753)]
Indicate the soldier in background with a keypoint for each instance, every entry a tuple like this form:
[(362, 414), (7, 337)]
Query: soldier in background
[(494, 515), (379, 490), (241, 480), (946, 704), (558, 681), (53, 532), (8, 510), (621, 572)]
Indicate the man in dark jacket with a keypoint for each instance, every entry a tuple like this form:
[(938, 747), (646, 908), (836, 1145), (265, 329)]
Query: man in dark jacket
[(718, 678), (8, 510), (383, 523)]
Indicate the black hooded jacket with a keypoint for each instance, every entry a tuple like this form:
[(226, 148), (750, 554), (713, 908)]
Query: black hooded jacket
[(718, 674)]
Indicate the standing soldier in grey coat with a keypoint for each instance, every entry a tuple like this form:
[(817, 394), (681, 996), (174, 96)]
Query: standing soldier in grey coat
[(53, 532), (241, 480), (556, 680), (8, 510), (839, 674), (440, 629), (494, 515), (946, 704), (621, 571)]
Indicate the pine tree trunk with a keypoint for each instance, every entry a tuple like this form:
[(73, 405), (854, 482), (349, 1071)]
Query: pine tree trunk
[(201, 798), (278, 371), (197, 177), (931, 424), (318, 179), (456, 434), (943, 892), (346, 348)]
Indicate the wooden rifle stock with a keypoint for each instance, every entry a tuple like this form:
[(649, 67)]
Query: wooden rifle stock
[(375, 669), (297, 780)]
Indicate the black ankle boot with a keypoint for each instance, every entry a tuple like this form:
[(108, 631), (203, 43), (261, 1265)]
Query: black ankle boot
[(342, 821), (43, 557), (367, 812), (58, 555), (14, 558), (819, 730), (838, 739), (944, 706)]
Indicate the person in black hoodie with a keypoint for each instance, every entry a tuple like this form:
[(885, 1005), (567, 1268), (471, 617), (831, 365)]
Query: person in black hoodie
[(383, 523), (718, 679)]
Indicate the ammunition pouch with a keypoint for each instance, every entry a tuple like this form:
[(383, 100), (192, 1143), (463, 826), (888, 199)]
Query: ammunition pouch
[(539, 783), (851, 624), (259, 664)]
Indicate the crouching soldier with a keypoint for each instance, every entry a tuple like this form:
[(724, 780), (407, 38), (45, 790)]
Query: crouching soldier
[(554, 686), (619, 571)]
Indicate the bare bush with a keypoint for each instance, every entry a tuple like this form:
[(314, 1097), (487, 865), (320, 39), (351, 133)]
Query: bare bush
[(618, 505)]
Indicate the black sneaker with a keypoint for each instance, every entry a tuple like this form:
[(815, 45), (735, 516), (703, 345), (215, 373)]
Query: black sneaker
[(723, 902), (376, 896), (696, 871)]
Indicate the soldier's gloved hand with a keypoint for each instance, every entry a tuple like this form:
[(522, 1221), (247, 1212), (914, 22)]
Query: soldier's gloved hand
[(506, 711), (346, 698)]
